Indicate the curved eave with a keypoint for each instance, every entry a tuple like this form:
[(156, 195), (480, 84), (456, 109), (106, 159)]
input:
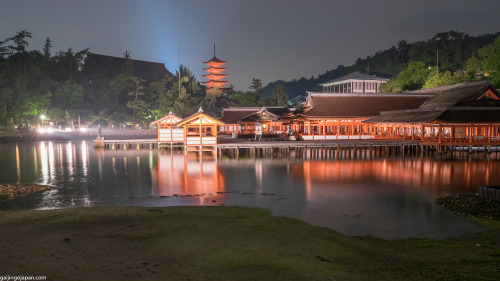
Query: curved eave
[(208, 83), (215, 60), (214, 75), (215, 68), (333, 117)]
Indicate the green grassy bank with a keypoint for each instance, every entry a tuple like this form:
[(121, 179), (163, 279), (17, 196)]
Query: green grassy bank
[(225, 243)]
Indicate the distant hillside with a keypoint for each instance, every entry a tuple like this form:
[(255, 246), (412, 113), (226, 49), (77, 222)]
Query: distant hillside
[(454, 50)]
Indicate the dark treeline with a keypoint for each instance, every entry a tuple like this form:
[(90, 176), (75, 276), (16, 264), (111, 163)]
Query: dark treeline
[(37, 87), (455, 53)]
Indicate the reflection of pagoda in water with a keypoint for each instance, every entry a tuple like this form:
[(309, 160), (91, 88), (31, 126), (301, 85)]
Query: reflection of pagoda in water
[(215, 74)]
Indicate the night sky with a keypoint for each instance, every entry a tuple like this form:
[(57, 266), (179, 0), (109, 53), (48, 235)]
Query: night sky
[(265, 39)]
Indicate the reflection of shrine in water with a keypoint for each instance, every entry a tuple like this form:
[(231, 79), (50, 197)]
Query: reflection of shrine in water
[(389, 197), (188, 174), (438, 176)]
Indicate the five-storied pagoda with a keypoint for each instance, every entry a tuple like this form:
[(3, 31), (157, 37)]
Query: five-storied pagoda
[(215, 74)]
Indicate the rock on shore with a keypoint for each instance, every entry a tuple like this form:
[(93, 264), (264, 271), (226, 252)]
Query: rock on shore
[(9, 191)]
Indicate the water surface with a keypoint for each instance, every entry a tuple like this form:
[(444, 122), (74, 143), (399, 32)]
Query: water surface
[(384, 197)]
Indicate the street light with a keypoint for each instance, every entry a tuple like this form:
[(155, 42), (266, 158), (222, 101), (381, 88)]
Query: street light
[(42, 129)]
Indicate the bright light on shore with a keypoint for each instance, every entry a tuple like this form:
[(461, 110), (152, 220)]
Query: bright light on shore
[(43, 130), (83, 129)]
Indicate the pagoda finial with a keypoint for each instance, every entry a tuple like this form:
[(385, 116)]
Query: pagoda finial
[(170, 113), (214, 50), (200, 110)]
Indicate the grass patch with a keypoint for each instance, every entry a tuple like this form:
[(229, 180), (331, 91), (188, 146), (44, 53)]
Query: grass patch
[(225, 243)]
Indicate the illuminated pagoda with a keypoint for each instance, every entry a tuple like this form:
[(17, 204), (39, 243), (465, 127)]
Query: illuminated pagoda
[(215, 74)]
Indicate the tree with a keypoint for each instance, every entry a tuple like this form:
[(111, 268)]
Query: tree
[(279, 97), (472, 67), (20, 41), (68, 94), (162, 99), (256, 84), (403, 50), (420, 52), (445, 78), (67, 65), (241, 99), (136, 103), (4, 50), (490, 61), (211, 105), (46, 48), (184, 105), (413, 78), (259, 97)]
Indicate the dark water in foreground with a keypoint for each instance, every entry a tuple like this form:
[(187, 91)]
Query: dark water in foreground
[(389, 198)]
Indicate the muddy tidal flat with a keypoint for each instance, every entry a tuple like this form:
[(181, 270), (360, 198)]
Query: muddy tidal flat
[(225, 243), (9, 191)]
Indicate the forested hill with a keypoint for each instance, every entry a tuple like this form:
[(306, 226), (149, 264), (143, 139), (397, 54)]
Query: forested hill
[(455, 48)]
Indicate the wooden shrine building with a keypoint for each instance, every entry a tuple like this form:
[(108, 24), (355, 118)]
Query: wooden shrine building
[(332, 116), (168, 132), (200, 130), (464, 114), (242, 120)]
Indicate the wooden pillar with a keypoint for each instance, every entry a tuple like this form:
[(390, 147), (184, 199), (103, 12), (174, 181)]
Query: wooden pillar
[(185, 134), (215, 133), (201, 134), (338, 129), (171, 134), (470, 134), (440, 133), (490, 133), (324, 130)]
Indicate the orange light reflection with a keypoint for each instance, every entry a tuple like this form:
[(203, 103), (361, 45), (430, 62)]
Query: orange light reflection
[(176, 174)]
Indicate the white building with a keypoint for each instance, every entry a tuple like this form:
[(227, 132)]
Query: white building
[(355, 82)]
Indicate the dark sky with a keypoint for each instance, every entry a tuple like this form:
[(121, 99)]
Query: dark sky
[(265, 39)]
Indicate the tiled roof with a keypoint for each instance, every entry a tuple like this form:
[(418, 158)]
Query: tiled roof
[(459, 115), (233, 115), (452, 103), (451, 95), (359, 105), (410, 116), (146, 70), (215, 59)]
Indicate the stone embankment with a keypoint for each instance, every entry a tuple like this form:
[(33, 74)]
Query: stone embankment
[(9, 191)]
